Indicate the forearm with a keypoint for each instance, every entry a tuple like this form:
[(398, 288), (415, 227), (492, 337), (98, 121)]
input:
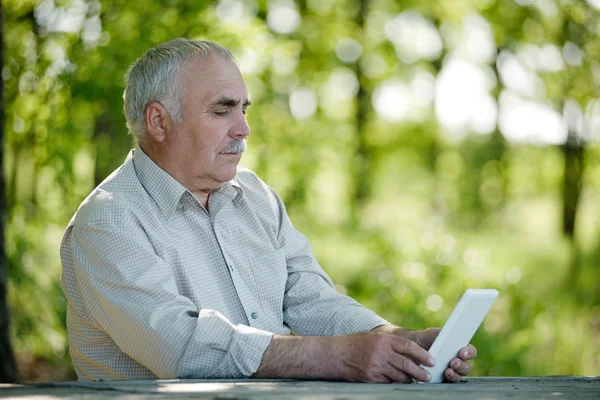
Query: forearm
[(360, 357), (393, 330), (301, 357)]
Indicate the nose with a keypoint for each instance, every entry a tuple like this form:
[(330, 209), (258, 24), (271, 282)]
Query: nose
[(241, 129)]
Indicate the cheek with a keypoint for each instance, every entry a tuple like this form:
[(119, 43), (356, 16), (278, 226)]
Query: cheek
[(207, 137), (205, 149), (215, 139)]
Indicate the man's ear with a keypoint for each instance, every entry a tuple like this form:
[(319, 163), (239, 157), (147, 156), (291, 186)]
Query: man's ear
[(156, 121)]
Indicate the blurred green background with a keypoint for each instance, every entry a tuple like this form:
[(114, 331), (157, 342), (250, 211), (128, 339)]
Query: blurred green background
[(424, 147)]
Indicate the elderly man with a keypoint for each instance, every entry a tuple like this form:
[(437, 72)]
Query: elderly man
[(182, 265)]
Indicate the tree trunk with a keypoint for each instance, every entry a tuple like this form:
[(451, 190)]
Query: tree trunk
[(361, 168), (573, 169), (8, 368), (574, 166)]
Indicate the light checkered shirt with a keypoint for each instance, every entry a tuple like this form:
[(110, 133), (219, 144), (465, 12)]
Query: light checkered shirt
[(157, 287)]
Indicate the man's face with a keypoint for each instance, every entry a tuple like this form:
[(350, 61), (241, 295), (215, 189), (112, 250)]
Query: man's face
[(214, 101)]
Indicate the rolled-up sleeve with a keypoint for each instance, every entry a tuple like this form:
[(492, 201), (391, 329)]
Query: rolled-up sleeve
[(131, 293), (311, 304)]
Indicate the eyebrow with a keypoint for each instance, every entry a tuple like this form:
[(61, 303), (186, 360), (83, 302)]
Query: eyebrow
[(229, 102)]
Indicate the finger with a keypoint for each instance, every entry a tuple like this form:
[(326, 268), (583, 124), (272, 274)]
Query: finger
[(408, 348), (404, 365), (468, 353), (451, 376), (393, 375), (461, 367), (382, 378)]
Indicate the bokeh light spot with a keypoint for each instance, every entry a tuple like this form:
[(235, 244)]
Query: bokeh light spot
[(303, 103), (434, 302), (283, 18), (348, 50)]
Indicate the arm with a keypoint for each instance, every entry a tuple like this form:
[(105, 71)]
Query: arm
[(313, 308), (132, 295), (311, 305), (361, 357)]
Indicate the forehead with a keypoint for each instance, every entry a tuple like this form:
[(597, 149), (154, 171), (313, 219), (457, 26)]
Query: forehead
[(203, 79)]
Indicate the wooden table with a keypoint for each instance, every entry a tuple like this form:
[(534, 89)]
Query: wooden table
[(562, 387)]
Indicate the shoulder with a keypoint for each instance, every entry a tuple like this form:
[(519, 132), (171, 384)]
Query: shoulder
[(248, 179), (255, 189), (112, 202), (252, 184)]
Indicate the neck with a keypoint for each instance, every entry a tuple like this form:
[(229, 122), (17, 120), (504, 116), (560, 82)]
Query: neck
[(168, 164), (202, 196)]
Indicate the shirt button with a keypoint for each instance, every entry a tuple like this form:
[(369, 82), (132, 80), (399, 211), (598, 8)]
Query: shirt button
[(254, 315), (183, 208)]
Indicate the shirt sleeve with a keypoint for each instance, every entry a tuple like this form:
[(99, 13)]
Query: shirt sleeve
[(132, 295), (311, 306)]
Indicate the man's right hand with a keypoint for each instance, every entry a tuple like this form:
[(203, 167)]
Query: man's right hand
[(360, 357), (379, 357)]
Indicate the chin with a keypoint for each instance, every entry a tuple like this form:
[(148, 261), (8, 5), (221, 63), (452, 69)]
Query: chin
[(226, 175), (226, 172)]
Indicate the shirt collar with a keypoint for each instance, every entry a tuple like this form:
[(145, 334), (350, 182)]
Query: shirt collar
[(231, 189), (165, 190)]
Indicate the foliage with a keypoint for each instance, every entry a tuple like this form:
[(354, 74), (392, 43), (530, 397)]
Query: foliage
[(404, 213)]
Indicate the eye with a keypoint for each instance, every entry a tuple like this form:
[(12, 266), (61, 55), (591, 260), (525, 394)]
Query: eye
[(221, 113)]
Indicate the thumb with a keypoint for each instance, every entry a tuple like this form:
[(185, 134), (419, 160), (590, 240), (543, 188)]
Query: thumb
[(428, 337)]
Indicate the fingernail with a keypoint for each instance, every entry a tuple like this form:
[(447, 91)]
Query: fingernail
[(428, 377), (431, 361), (465, 353), (456, 364)]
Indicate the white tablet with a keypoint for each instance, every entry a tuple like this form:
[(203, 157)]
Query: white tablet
[(459, 329)]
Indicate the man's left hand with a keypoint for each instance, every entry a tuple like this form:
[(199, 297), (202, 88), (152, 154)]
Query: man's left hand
[(459, 366)]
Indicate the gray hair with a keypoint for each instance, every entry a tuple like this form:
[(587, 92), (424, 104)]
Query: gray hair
[(155, 77)]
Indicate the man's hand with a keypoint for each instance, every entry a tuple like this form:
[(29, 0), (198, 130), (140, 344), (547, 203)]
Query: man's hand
[(383, 358), (360, 357), (458, 367)]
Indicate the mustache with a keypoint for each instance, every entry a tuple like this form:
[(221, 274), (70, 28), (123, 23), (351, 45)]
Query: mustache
[(236, 146)]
